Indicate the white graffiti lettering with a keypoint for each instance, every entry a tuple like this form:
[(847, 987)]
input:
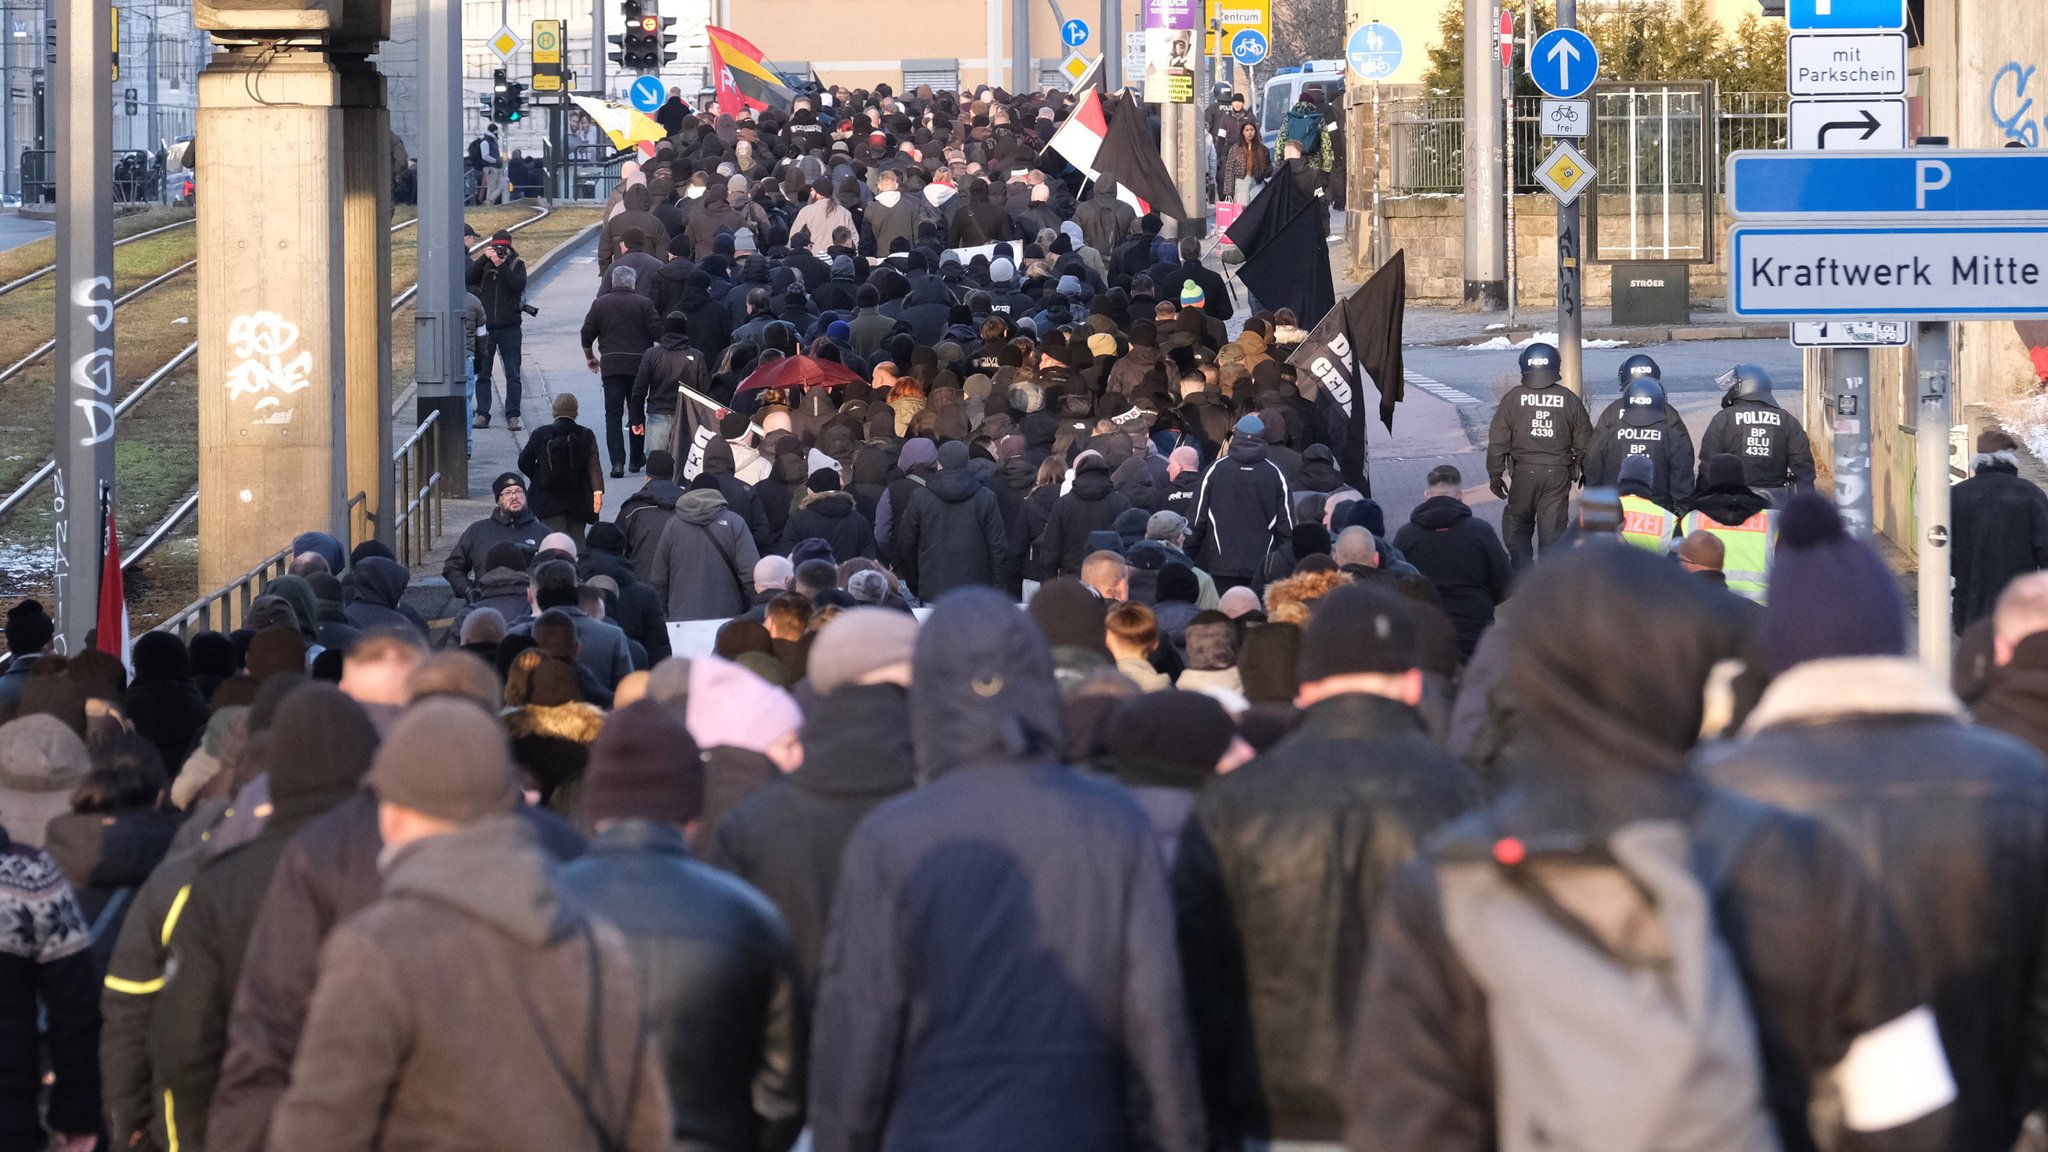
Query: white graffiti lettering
[(96, 294), (262, 342)]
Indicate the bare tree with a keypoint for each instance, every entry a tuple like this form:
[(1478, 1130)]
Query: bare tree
[(1307, 30)]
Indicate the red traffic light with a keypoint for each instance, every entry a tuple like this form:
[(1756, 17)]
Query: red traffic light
[(650, 23)]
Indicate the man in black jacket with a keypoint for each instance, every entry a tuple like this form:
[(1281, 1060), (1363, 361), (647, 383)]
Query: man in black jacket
[(717, 977), (1776, 457), (498, 278), (1282, 866), (622, 325), (2000, 526), (829, 514), (568, 480), (951, 534), (1603, 724), (1459, 554), (645, 513), (788, 838), (1949, 819), (956, 934), (664, 368), (1242, 511), (511, 522)]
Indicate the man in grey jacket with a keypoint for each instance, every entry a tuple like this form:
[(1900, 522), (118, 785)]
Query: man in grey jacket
[(703, 565)]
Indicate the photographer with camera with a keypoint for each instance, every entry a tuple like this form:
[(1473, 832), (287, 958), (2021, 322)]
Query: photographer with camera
[(498, 277)]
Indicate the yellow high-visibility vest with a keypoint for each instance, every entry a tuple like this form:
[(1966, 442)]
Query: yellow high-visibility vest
[(1749, 547), (1647, 524)]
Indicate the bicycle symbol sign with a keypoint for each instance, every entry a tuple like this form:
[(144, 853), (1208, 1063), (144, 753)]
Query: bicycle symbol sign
[(1566, 118)]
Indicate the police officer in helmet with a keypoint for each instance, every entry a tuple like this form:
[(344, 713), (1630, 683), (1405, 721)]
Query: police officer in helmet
[(1752, 427), (1535, 452), (1643, 423)]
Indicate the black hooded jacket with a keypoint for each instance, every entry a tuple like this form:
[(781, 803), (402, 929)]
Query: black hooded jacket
[(833, 518), (951, 535), (1091, 505), (1462, 557), (788, 838), (1242, 512), (642, 517)]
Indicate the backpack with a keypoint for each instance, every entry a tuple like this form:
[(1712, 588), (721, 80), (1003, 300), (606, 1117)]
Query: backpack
[(1618, 1017), (1305, 127), (560, 468)]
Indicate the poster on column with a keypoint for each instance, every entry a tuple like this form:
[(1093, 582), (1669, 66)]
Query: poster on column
[(1170, 29)]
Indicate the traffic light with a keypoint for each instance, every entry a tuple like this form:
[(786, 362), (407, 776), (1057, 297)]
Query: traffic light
[(641, 44), (664, 39), (515, 102)]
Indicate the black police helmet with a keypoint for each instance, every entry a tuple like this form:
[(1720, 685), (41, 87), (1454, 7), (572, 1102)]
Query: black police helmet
[(1643, 404), (1539, 366), (1638, 365), (1745, 382)]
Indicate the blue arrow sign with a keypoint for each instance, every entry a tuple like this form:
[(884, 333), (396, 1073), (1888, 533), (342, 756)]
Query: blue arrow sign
[(1074, 33), (1374, 51), (2009, 185), (646, 93), (1564, 63), (1848, 15), (1248, 47)]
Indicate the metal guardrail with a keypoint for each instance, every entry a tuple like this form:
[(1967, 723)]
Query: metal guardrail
[(1425, 138), (418, 462), (418, 527), (224, 609)]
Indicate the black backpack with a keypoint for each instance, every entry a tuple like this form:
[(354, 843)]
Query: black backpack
[(562, 465)]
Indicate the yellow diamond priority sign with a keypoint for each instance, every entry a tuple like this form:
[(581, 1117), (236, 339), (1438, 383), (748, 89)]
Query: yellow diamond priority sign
[(1075, 66), (505, 42), (1566, 173)]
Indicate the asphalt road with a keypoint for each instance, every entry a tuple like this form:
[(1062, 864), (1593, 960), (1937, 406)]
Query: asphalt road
[(1689, 367), (17, 230)]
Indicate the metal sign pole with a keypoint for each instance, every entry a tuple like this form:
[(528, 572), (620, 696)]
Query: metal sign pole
[(1849, 384), (84, 426), (1931, 432), (1507, 128), (1569, 249)]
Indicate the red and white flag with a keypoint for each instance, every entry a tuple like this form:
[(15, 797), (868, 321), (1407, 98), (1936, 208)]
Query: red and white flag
[(111, 636), (1080, 138)]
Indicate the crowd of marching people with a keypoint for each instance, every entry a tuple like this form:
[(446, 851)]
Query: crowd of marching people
[(1079, 756)]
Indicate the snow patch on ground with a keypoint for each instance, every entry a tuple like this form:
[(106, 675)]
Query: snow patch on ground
[(2027, 420), (1503, 344)]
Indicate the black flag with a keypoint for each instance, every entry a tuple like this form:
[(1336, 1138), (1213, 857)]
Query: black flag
[(1360, 338), (1130, 156), (1286, 258)]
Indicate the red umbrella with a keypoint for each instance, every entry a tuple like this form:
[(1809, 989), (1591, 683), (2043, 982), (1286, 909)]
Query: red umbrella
[(799, 371)]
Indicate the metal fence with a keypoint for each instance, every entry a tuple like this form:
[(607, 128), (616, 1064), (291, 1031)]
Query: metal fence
[(1425, 136)]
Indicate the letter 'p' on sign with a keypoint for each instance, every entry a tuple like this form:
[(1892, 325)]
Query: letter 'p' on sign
[(1928, 176)]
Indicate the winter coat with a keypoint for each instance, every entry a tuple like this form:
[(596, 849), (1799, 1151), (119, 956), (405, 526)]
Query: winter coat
[(788, 838), (104, 853), (1951, 821), (48, 997), (601, 646), (710, 325), (1142, 480), (1242, 512), (716, 980), (1774, 449), (390, 1055), (668, 364), (2016, 699), (164, 703), (1103, 218), (1280, 875), (893, 215), (567, 495), (926, 310), (1091, 505), (622, 324), (703, 565), (951, 535), (380, 597), (504, 589), (189, 1032), (1462, 557), (328, 873), (475, 543), (980, 991), (643, 518), (717, 215), (501, 288), (831, 517), (1029, 530), (1999, 527), (638, 612), (1140, 371)]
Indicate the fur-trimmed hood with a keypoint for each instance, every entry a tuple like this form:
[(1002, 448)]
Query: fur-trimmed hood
[(1288, 600), (578, 721), (1828, 691)]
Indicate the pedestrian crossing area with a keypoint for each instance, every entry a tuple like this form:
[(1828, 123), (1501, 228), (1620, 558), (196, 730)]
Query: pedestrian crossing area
[(1439, 389)]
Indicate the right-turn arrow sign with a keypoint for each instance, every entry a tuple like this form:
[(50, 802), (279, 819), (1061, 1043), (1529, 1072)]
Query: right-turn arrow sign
[(1865, 125)]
